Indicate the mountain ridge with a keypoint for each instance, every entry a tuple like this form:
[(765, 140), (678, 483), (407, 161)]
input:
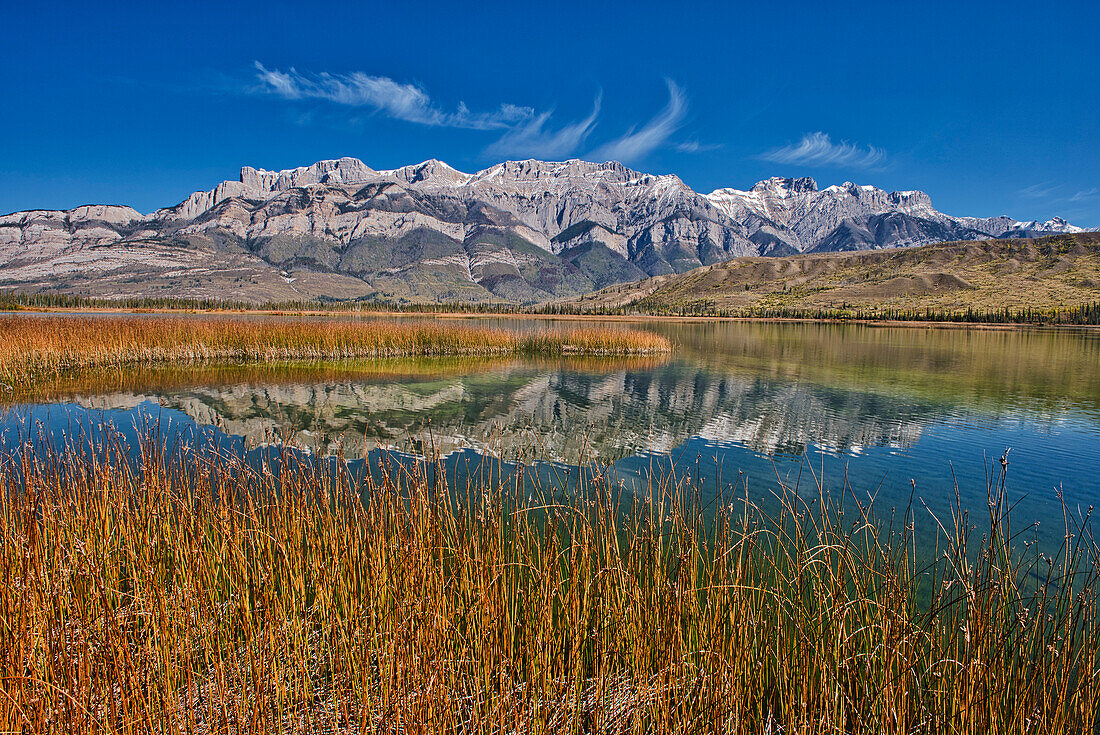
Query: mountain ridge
[(518, 231)]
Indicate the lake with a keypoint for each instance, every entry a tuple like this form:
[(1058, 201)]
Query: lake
[(895, 413)]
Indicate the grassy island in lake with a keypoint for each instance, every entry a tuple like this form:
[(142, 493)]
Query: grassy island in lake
[(33, 348)]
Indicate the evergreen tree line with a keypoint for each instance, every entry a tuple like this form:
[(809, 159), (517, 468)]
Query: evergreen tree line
[(10, 301), (1083, 314)]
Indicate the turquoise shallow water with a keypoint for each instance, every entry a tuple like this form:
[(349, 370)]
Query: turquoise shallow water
[(899, 414)]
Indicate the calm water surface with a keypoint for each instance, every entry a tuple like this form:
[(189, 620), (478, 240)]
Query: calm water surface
[(889, 409)]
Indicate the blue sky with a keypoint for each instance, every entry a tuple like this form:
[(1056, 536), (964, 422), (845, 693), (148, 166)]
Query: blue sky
[(991, 107)]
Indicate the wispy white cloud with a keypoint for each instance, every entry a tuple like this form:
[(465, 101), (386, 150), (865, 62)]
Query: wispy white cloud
[(524, 132), (1038, 191), (817, 149), (1055, 199), (535, 138), (637, 144), (694, 146), (400, 101)]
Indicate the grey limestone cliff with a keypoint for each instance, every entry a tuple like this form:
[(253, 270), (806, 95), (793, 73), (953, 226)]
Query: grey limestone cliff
[(519, 231)]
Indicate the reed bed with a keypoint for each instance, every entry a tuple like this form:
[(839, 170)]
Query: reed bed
[(193, 593), (38, 348)]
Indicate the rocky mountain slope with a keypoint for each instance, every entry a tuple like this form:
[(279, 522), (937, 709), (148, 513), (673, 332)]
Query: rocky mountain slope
[(520, 231), (786, 216)]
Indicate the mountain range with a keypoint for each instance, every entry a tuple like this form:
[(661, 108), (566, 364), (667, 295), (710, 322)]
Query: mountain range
[(519, 231)]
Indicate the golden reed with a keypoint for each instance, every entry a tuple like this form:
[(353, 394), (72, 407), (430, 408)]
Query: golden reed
[(199, 594), (35, 348)]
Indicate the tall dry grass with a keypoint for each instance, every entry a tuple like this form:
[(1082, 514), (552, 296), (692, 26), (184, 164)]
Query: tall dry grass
[(198, 594), (41, 348)]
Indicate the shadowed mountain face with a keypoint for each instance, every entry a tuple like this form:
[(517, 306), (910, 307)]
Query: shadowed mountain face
[(521, 232)]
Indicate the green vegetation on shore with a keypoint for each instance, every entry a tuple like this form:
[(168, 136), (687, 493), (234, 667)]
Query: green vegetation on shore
[(19, 301), (1085, 314), (202, 594)]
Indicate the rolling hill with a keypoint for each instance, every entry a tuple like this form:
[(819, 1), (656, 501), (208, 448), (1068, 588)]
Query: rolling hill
[(1043, 273)]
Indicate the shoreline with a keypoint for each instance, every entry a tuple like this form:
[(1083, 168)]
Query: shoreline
[(625, 318)]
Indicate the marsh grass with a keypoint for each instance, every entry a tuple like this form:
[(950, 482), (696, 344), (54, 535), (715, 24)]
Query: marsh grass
[(192, 592), (195, 593), (34, 349)]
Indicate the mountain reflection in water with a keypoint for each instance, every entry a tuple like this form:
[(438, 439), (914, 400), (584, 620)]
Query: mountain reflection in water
[(885, 409), (564, 416)]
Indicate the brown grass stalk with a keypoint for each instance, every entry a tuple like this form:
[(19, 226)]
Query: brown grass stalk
[(195, 593), (33, 349)]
